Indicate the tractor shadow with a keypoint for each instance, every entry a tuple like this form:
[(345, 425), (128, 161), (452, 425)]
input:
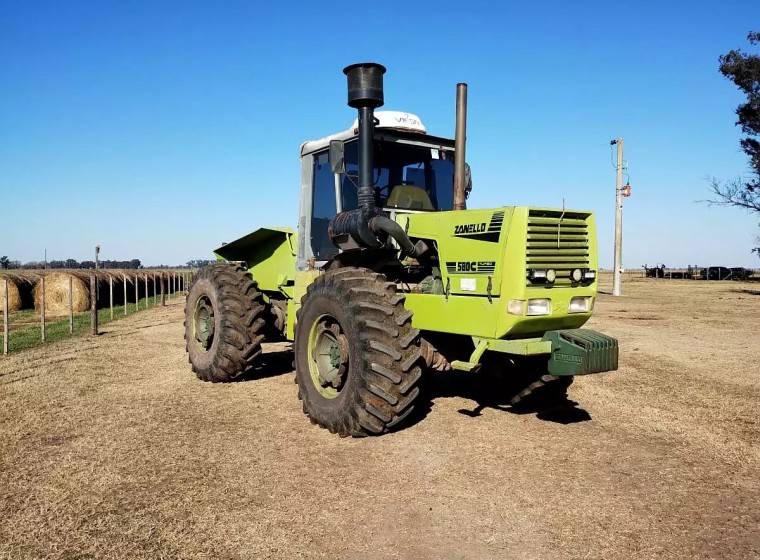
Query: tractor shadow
[(277, 359), (494, 391), (485, 389)]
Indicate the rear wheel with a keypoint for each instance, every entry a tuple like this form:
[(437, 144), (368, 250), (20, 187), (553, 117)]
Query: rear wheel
[(526, 383), (223, 322), (358, 362)]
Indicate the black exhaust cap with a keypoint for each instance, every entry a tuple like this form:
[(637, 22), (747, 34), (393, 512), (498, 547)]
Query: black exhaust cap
[(365, 84)]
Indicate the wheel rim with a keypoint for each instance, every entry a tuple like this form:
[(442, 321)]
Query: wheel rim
[(203, 323), (328, 356)]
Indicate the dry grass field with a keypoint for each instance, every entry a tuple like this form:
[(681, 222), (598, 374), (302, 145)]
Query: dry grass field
[(111, 448)]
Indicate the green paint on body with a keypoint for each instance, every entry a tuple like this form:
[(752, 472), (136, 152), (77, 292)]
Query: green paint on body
[(485, 259)]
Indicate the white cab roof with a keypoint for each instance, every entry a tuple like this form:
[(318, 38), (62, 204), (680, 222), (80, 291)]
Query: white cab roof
[(396, 120)]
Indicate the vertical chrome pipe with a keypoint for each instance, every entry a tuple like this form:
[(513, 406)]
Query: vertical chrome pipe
[(460, 139)]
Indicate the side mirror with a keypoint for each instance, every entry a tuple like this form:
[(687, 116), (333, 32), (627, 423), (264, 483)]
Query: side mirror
[(467, 180), (337, 157)]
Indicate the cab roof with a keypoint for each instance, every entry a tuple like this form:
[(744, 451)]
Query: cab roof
[(400, 125)]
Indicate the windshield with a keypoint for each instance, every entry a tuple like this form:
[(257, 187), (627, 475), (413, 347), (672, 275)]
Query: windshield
[(397, 164), (405, 176)]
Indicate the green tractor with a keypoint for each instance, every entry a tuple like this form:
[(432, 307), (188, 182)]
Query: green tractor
[(389, 275)]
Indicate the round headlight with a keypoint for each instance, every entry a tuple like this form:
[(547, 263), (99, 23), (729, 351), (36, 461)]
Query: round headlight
[(551, 275), (576, 275)]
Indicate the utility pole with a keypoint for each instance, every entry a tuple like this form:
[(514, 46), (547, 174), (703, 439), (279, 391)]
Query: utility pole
[(97, 266), (618, 271)]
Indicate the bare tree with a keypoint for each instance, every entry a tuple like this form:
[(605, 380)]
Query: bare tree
[(743, 69)]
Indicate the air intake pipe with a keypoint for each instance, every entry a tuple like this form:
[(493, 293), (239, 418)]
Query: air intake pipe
[(365, 226)]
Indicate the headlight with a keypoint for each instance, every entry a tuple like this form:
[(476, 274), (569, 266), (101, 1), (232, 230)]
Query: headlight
[(516, 307), (581, 304), (589, 275), (542, 275), (539, 307), (576, 275), (532, 307)]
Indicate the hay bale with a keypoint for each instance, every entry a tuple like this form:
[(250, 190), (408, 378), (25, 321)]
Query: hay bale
[(14, 297), (104, 281), (57, 293), (19, 291)]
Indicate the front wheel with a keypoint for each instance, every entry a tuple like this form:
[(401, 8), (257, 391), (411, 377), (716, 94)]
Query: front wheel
[(358, 362)]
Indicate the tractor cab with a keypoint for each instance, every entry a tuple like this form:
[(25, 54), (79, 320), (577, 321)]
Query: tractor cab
[(413, 172)]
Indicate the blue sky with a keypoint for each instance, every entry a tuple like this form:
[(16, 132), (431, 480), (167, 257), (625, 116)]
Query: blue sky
[(160, 129)]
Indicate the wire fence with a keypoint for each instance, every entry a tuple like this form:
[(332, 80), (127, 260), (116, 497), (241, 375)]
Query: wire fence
[(46, 306)]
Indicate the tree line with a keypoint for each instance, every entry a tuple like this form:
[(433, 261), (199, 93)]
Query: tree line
[(133, 264)]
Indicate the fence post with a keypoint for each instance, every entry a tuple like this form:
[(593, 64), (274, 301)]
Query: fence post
[(42, 313), (146, 291), (71, 305), (110, 290), (155, 293), (125, 294), (163, 297), (94, 304), (137, 293), (6, 330)]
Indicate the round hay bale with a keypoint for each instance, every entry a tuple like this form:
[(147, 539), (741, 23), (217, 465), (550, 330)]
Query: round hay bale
[(57, 293), (14, 296), (104, 280)]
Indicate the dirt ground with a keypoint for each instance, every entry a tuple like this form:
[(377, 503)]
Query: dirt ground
[(111, 448)]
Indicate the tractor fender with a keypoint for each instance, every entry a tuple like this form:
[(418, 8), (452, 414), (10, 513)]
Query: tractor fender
[(269, 254)]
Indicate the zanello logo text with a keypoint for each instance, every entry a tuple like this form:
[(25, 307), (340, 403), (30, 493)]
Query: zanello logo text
[(561, 357), (482, 231), (469, 228)]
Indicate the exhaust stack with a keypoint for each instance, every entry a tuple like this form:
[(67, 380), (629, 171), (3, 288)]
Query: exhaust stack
[(366, 226), (460, 139), (365, 93)]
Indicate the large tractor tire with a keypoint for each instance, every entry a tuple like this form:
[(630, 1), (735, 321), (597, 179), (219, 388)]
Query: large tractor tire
[(525, 382), (358, 362), (223, 323)]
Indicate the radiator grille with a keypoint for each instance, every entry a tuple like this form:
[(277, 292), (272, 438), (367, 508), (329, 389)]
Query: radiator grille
[(557, 240)]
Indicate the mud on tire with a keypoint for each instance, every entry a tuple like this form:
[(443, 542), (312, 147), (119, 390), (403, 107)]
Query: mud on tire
[(223, 322), (352, 320)]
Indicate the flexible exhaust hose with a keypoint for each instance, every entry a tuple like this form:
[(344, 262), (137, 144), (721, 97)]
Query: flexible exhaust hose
[(389, 227)]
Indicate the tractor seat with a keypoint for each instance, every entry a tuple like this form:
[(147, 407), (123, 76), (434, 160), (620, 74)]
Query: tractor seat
[(409, 197)]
